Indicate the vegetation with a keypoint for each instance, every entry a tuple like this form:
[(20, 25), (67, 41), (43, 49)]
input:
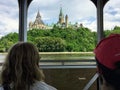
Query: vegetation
[(58, 40)]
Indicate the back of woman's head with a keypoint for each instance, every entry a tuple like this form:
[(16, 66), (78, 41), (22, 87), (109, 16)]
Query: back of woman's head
[(21, 67)]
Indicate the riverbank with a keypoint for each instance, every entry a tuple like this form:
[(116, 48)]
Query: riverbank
[(66, 52), (53, 52), (66, 55), (61, 55), (82, 53)]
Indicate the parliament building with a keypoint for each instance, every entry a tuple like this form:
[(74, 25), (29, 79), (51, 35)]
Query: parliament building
[(62, 22)]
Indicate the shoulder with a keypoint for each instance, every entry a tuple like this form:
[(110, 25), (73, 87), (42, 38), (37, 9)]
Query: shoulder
[(49, 86), (39, 85), (1, 88)]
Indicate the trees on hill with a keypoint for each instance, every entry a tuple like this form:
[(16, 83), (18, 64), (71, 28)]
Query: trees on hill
[(7, 41), (57, 39), (50, 44), (81, 39)]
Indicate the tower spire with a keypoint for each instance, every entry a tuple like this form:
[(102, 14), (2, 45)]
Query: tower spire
[(38, 14), (61, 12), (61, 16)]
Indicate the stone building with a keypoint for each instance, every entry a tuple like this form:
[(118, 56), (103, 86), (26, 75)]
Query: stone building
[(38, 23), (63, 21)]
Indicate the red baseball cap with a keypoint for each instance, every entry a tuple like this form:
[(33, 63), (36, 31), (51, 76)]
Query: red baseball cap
[(107, 51)]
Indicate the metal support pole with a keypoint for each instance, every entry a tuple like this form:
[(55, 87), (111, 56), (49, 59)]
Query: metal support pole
[(100, 26), (99, 5), (23, 6), (100, 19)]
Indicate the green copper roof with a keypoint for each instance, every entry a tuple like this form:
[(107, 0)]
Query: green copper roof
[(61, 13)]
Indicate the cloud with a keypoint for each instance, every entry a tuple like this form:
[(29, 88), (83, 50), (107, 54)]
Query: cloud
[(8, 17), (51, 11), (111, 14), (8, 25), (81, 11)]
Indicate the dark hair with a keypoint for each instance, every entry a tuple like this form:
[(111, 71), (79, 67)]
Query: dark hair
[(112, 77), (21, 67)]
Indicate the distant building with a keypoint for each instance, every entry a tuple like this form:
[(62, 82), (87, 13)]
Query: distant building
[(62, 22), (38, 23)]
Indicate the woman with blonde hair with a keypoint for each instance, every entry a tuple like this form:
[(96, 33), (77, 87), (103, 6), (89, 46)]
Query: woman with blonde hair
[(21, 70)]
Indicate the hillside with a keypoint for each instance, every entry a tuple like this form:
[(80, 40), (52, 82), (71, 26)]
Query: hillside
[(58, 39)]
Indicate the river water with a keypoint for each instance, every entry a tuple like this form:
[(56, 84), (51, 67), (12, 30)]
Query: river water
[(59, 56), (66, 55)]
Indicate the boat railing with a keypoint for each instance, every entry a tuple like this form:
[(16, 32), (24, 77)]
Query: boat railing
[(86, 63)]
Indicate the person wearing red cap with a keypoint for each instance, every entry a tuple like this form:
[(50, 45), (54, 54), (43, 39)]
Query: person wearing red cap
[(107, 54)]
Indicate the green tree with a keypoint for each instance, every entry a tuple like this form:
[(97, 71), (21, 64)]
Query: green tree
[(7, 41), (50, 44)]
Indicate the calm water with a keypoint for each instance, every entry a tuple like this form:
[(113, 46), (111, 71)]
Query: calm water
[(59, 56), (67, 56)]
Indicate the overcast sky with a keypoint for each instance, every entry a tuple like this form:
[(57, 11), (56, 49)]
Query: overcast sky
[(81, 11)]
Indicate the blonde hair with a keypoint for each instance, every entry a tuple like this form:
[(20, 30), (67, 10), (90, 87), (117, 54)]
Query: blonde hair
[(21, 67)]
